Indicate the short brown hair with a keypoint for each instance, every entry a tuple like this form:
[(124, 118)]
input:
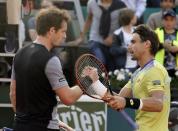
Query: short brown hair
[(147, 33), (125, 16), (50, 17)]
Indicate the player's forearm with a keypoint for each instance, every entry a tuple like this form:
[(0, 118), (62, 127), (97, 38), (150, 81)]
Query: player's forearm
[(13, 100), (12, 94), (86, 26), (76, 93)]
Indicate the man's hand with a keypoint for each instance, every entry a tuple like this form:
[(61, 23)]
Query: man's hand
[(75, 43), (116, 102), (65, 126), (108, 41), (97, 86), (80, 39), (91, 72), (167, 46), (170, 47)]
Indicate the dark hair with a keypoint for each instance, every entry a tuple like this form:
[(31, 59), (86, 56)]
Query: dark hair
[(147, 33), (50, 17), (125, 16), (170, 0)]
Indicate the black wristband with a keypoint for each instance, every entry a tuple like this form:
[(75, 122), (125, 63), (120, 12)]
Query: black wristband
[(132, 103)]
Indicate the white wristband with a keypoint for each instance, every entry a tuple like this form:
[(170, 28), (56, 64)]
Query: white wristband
[(99, 88), (141, 104)]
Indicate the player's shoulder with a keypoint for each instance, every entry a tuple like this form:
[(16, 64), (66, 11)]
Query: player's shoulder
[(54, 60), (157, 68), (24, 48), (157, 65)]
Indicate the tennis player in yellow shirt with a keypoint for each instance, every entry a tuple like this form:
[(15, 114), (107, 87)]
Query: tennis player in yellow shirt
[(148, 91)]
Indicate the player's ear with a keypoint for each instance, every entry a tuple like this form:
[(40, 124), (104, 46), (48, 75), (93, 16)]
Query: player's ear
[(52, 30), (148, 43)]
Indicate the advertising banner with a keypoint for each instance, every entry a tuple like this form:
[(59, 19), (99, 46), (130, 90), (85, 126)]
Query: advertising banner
[(85, 115)]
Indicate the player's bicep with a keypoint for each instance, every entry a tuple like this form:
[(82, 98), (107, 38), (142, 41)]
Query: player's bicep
[(154, 103), (158, 94), (12, 89), (12, 92), (55, 74), (155, 84)]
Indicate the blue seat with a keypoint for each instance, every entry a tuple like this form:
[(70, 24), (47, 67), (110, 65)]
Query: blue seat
[(7, 129)]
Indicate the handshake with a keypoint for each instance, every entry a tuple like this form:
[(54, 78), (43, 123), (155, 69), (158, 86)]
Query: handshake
[(114, 101)]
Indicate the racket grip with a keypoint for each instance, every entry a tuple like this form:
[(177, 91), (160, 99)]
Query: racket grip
[(129, 120)]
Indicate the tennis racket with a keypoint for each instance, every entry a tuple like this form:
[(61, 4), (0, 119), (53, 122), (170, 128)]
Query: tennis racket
[(85, 82)]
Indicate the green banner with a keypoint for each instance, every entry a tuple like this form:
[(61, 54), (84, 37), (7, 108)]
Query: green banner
[(84, 116)]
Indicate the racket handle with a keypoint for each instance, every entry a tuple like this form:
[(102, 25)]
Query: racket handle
[(129, 120), (109, 88), (124, 114)]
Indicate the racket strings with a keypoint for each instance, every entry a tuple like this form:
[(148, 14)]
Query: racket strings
[(86, 81)]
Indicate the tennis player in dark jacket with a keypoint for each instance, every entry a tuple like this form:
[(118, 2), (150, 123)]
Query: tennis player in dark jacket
[(37, 76)]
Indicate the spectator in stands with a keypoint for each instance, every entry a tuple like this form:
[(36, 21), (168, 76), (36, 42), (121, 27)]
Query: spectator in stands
[(121, 40), (30, 9), (138, 6), (31, 22), (14, 29), (168, 37), (155, 20), (31, 28), (103, 19)]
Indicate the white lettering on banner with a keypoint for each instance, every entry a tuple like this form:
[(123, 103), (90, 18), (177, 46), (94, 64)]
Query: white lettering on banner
[(76, 121), (65, 117), (85, 121), (82, 120), (96, 120)]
